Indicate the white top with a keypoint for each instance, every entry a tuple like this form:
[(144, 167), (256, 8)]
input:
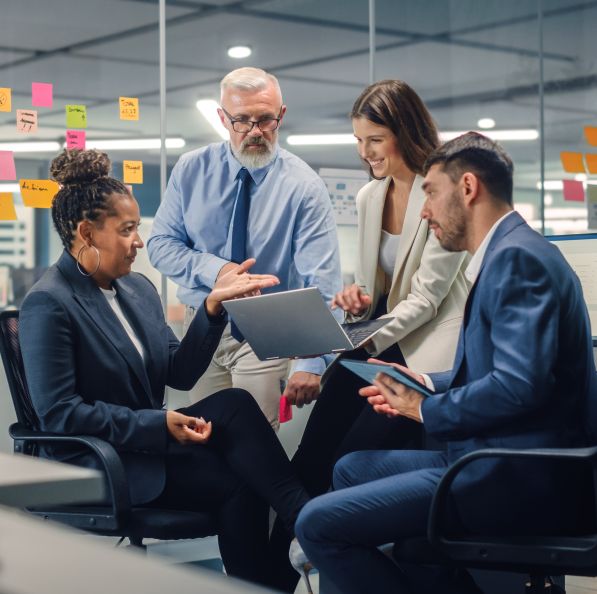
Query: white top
[(388, 248), (110, 295)]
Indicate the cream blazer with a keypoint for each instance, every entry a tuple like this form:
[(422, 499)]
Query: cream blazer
[(428, 291)]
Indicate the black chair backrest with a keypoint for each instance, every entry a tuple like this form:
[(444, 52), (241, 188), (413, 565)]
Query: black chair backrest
[(10, 349)]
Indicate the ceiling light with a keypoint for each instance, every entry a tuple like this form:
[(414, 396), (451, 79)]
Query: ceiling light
[(580, 177), (134, 144), (30, 147), (12, 188), (502, 135), (486, 123), (319, 139), (551, 184), (209, 110), (239, 51)]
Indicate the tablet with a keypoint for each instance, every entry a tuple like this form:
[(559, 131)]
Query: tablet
[(368, 371)]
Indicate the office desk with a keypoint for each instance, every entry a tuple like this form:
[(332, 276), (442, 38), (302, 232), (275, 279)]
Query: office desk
[(37, 556), (27, 481)]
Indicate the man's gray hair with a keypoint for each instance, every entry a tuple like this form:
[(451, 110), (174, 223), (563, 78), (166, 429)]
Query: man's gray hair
[(249, 80)]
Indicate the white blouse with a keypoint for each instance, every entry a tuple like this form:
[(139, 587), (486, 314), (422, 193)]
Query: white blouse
[(388, 248)]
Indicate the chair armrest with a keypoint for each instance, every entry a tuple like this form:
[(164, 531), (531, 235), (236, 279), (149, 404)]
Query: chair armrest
[(438, 504), (105, 452)]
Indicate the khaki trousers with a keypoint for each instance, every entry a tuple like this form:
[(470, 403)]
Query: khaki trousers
[(235, 365)]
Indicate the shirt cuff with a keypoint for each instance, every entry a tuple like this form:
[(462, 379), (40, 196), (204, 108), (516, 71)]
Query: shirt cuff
[(210, 270), (429, 383), (316, 365)]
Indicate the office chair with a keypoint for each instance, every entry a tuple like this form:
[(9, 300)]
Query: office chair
[(116, 518), (539, 556)]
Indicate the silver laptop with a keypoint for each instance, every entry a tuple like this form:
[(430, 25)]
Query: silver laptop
[(296, 324)]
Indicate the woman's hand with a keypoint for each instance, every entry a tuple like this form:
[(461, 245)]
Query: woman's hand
[(352, 299), (186, 430), (235, 281)]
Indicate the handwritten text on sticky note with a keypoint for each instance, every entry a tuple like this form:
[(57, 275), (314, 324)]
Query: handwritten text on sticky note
[(7, 166), (75, 139), (7, 207), (26, 121), (76, 116), (5, 99), (41, 94), (132, 172), (129, 108), (38, 193)]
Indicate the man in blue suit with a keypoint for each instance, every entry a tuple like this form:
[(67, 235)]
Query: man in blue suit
[(522, 378)]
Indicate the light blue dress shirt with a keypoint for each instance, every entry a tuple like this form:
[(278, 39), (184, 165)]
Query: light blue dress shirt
[(291, 230)]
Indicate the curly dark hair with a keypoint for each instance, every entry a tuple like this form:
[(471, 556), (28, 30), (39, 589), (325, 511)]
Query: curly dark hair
[(86, 190), (395, 105)]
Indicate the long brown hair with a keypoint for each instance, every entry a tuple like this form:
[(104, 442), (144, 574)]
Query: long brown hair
[(394, 105)]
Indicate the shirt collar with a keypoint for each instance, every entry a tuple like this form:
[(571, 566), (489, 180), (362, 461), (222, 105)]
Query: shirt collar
[(258, 175), (474, 266)]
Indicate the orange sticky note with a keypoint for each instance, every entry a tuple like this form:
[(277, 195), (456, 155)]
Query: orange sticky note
[(38, 193), (590, 134), (285, 413), (26, 121), (591, 160), (129, 108), (7, 207), (132, 172), (572, 162), (5, 99)]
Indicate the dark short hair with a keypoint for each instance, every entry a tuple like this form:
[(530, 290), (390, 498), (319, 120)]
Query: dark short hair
[(394, 105), (480, 155), (85, 192)]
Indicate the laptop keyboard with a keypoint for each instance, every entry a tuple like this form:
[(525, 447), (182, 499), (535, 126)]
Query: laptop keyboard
[(360, 331)]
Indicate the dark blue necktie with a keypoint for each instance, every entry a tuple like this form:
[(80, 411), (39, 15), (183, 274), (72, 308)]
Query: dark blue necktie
[(239, 231)]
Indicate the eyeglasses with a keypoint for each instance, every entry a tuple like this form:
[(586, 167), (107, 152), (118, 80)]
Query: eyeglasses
[(245, 126)]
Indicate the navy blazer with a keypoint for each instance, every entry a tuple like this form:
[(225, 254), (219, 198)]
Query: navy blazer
[(86, 377), (524, 372)]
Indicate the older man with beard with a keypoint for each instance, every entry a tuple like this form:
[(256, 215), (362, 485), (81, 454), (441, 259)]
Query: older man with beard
[(247, 198)]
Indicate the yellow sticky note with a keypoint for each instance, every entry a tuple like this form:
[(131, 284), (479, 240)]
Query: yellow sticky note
[(572, 162), (7, 207), (129, 108), (5, 99), (132, 172), (76, 116), (38, 193), (591, 159), (590, 134)]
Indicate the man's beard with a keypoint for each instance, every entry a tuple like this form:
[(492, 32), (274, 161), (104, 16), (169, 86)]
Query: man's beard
[(254, 159), (453, 236)]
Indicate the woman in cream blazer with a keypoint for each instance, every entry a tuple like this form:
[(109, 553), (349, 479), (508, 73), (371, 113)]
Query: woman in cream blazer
[(420, 286)]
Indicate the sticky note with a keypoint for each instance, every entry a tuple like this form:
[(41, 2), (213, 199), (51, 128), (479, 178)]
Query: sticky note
[(75, 139), (26, 121), (590, 134), (592, 206), (76, 116), (7, 207), (129, 108), (285, 413), (5, 99), (42, 94), (132, 172), (572, 162), (7, 166), (591, 161), (574, 190), (38, 193)]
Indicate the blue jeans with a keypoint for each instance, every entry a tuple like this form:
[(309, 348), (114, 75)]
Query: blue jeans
[(380, 497)]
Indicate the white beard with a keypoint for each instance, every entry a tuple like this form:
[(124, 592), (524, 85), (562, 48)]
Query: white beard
[(254, 159)]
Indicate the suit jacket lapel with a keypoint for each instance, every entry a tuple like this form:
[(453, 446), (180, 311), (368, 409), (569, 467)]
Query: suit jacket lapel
[(101, 315)]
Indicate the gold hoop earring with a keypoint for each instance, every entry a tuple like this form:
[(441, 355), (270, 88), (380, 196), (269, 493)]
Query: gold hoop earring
[(99, 259)]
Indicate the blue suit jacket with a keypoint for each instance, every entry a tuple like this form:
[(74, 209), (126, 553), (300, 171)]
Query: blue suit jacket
[(86, 377), (524, 373)]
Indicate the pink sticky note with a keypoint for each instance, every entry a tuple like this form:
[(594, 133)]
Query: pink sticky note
[(41, 94), (75, 139), (7, 166), (285, 413), (574, 190), (26, 121)]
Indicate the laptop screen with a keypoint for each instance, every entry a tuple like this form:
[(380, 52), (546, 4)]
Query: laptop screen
[(580, 252)]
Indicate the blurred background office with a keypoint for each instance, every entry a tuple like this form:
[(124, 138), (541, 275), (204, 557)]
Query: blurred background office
[(524, 71)]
